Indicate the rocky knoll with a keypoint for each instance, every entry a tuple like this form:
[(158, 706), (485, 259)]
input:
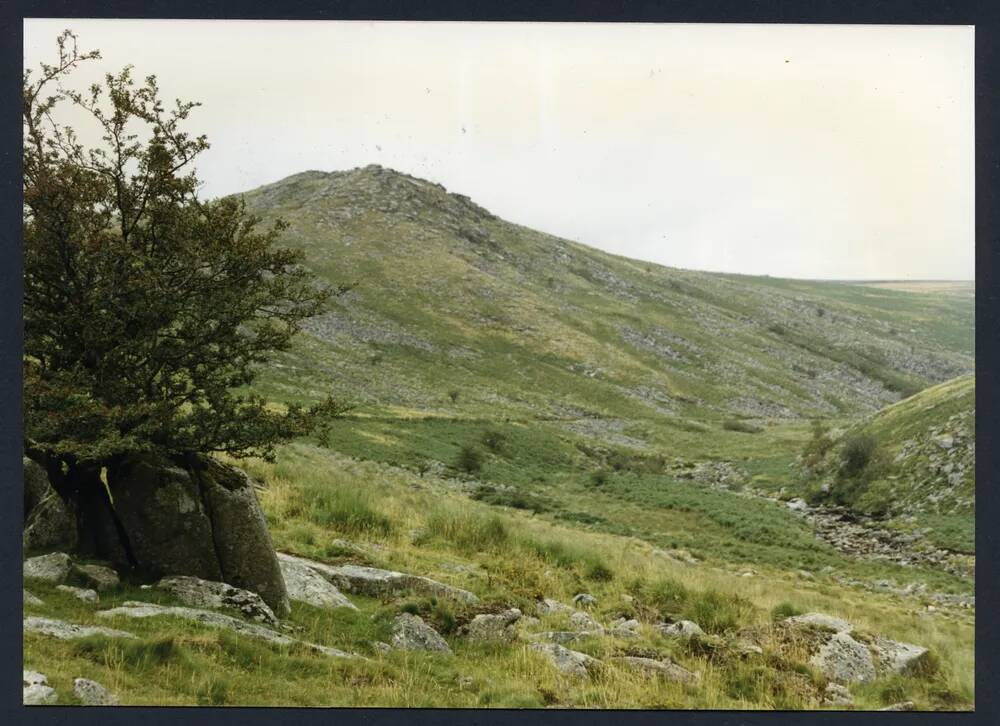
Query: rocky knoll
[(156, 517)]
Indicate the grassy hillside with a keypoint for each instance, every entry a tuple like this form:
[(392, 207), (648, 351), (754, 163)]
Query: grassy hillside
[(391, 517), (919, 463)]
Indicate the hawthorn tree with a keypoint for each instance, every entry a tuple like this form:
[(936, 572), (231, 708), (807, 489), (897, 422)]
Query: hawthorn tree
[(147, 311)]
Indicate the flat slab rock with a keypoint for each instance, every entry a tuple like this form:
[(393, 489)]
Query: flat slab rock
[(410, 632), (199, 593), (304, 583), (53, 567), (36, 690), (92, 693), (69, 631), (566, 660), (375, 582), (209, 618), (664, 668)]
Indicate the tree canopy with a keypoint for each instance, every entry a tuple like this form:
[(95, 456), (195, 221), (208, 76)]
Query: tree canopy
[(147, 311)]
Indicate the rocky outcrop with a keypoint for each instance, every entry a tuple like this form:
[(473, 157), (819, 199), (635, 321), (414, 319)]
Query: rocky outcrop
[(36, 690), (199, 593), (566, 660), (53, 567), (845, 660), (198, 518), (49, 522), (375, 582), (493, 626), (891, 656), (92, 693), (69, 631), (624, 628), (305, 584), (410, 632), (845, 656)]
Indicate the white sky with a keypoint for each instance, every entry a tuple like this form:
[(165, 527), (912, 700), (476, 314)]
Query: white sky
[(795, 151)]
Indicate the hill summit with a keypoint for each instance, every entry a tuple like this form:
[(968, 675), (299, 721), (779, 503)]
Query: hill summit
[(448, 297)]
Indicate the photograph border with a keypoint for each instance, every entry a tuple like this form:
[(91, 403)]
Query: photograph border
[(983, 15)]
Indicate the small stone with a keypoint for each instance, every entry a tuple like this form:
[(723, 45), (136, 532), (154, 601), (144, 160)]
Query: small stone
[(584, 599), (664, 668), (820, 620), (837, 695), (53, 567), (410, 632), (499, 626), (98, 577), (92, 693), (580, 621), (566, 660), (797, 505), (680, 629), (200, 593), (548, 605), (36, 690), (624, 628), (80, 593)]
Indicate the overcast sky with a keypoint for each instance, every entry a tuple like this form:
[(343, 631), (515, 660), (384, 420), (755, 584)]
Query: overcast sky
[(795, 151)]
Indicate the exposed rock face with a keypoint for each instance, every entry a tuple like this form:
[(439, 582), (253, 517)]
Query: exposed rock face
[(80, 593), (680, 629), (305, 584), (200, 519), (664, 668), (134, 609), (48, 520), (37, 691), (845, 660), (374, 582), (242, 540), (69, 631), (92, 693), (894, 657), (410, 632), (200, 593), (53, 567), (98, 577), (566, 660), (499, 626)]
